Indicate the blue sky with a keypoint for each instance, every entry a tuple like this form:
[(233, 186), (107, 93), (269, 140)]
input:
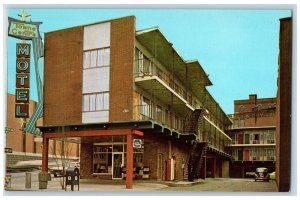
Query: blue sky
[(237, 48)]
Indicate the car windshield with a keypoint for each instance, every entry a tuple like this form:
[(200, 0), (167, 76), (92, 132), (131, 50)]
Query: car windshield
[(261, 170)]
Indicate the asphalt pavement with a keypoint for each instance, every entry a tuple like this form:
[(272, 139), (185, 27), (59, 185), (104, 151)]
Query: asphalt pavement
[(97, 186)]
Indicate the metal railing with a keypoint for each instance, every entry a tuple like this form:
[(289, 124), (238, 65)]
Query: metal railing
[(152, 112), (145, 67)]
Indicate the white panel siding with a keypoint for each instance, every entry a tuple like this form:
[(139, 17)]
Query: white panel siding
[(96, 36), (95, 80), (94, 117)]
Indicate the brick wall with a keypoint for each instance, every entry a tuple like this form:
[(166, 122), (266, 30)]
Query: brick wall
[(121, 69), (86, 158), (14, 139), (263, 117), (155, 145), (63, 77)]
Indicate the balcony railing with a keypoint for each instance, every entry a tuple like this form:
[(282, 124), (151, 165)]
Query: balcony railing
[(255, 158), (145, 67), (151, 112)]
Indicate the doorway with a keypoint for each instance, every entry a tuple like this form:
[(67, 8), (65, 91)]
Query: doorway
[(117, 163), (160, 164)]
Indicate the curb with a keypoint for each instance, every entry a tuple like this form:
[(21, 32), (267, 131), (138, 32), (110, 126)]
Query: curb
[(182, 184)]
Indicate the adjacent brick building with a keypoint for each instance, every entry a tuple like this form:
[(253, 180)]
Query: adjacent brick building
[(26, 146), (253, 136), (284, 104), (109, 86)]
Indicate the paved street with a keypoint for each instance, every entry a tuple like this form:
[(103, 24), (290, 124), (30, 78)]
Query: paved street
[(207, 185), (228, 185)]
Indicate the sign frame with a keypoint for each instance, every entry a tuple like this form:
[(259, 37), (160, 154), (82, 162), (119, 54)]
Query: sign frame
[(36, 24)]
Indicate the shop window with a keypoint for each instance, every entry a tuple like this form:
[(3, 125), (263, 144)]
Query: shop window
[(102, 159)]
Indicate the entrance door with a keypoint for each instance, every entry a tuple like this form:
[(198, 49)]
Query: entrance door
[(117, 163), (160, 167), (246, 154), (240, 154), (247, 139), (240, 139)]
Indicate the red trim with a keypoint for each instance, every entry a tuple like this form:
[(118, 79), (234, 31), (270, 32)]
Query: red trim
[(88, 133), (136, 132), (129, 162)]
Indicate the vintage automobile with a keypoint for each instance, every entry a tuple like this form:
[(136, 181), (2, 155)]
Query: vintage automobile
[(262, 173)]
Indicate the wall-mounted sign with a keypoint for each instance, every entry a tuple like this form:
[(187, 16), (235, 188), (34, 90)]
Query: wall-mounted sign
[(38, 139), (137, 143), (23, 30), (8, 150), (22, 80)]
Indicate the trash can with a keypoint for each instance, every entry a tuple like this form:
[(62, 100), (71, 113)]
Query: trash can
[(72, 177), (7, 180), (44, 177)]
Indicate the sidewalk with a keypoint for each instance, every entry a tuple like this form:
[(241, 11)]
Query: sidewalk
[(96, 185)]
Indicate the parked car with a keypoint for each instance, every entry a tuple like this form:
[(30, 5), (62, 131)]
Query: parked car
[(24, 166), (273, 175), (262, 173)]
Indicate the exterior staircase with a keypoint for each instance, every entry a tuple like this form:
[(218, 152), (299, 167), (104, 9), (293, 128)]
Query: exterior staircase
[(192, 169)]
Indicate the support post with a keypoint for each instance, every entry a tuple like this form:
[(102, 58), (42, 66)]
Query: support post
[(45, 154), (129, 162), (203, 168)]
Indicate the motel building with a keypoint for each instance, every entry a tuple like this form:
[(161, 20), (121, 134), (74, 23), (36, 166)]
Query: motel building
[(137, 108), (253, 136)]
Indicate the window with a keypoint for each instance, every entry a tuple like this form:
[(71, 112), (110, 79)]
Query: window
[(242, 108), (96, 58), (256, 138), (270, 154), (270, 137), (102, 159), (159, 114), (167, 118), (96, 102), (242, 123), (145, 108)]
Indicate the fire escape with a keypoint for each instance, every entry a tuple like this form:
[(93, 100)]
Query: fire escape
[(198, 149)]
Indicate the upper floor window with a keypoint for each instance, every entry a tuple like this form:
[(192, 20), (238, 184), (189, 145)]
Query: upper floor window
[(145, 107), (96, 58), (96, 102), (242, 123), (242, 108)]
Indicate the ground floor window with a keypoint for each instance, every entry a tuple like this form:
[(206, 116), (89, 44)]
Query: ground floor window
[(110, 158)]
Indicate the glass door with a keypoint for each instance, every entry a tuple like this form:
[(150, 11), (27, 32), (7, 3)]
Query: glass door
[(117, 163)]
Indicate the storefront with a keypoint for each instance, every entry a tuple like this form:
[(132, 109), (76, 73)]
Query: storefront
[(109, 157)]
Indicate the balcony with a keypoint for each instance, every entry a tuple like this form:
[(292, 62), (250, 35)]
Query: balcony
[(161, 86), (151, 112)]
